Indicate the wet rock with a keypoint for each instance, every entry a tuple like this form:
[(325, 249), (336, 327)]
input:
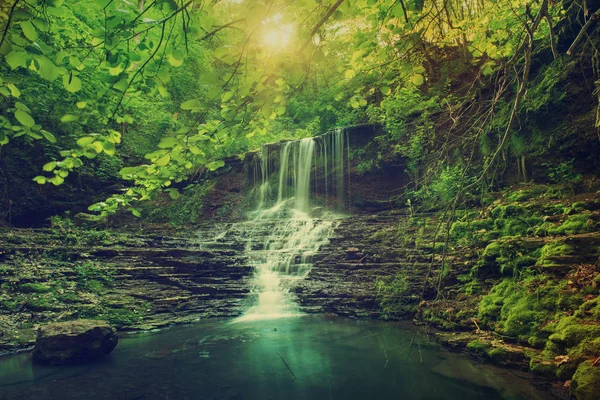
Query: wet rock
[(74, 342)]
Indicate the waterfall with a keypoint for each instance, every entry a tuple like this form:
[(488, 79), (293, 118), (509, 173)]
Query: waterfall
[(284, 233)]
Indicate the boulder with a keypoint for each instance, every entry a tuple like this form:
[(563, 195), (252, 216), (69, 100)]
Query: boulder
[(74, 342)]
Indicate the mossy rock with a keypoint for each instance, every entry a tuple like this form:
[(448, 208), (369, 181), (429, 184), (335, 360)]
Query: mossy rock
[(586, 382), (34, 288), (479, 348), (554, 249), (518, 308), (543, 367), (507, 211), (575, 224), (571, 331)]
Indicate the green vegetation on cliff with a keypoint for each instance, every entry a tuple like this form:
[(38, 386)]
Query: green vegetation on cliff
[(487, 112)]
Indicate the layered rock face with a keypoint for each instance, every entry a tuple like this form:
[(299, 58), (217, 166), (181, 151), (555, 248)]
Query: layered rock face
[(132, 281), (74, 342), (363, 250)]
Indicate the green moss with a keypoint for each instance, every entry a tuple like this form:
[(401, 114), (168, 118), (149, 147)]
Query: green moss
[(525, 194), (553, 249), (34, 288), (508, 211), (542, 367), (497, 354), (585, 383), (554, 209), (517, 226), (93, 286), (120, 317), (581, 206), (574, 224), (519, 308), (393, 295), (41, 304), (9, 305), (479, 348), (505, 258), (571, 331)]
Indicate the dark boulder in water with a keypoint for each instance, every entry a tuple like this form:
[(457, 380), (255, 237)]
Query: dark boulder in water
[(74, 342)]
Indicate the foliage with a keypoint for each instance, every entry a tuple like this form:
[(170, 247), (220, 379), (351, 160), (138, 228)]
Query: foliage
[(563, 173), (187, 208), (574, 224), (393, 294), (117, 89), (519, 308), (442, 190)]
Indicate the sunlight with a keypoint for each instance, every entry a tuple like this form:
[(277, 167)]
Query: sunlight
[(277, 36)]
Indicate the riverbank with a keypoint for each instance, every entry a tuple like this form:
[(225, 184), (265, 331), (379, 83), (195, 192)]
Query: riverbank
[(515, 283)]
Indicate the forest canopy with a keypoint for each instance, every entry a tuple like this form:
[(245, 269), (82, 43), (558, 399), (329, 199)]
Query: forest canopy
[(164, 90)]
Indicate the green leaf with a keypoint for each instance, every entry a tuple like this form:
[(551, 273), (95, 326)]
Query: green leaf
[(13, 90), (85, 141), (417, 79), (16, 59), (176, 58), (174, 193), (164, 160), (191, 105), (195, 150), (49, 137), (69, 118), (226, 96), (167, 143), (212, 166), (40, 179), (136, 212), (57, 180), (122, 85), (108, 147), (49, 166), (71, 83), (24, 118), (81, 104), (386, 90), (29, 30)]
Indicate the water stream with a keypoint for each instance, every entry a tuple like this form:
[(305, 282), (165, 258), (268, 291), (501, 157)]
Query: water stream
[(287, 229)]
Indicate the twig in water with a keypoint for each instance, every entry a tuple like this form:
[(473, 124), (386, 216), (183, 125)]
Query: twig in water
[(420, 355), (386, 359), (288, 367), (410, 352)]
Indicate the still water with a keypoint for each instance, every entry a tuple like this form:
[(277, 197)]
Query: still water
[(331, 358)]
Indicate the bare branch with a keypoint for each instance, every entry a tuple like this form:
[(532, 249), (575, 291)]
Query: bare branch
[(10, 15), (323, 20), (583, 31)]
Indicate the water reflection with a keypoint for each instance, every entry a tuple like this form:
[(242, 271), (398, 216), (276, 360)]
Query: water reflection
[(332, 358)]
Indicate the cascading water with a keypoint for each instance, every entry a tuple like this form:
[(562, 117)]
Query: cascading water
[(284, 232)]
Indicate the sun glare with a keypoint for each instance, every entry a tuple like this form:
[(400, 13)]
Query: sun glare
[(277, 35)]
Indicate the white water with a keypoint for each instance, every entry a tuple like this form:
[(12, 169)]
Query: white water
[(284, 235)]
